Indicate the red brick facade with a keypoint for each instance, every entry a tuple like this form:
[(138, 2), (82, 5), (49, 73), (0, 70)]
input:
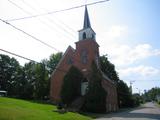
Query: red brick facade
[(87, 50), (75, 56)]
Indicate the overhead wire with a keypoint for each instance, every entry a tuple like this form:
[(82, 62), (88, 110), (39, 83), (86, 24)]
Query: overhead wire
[(19, 7), (50, 12), (18, 55), (38, 62), (29, 13), (60, 21), (30, 35), (57, 11), (35, 38), (143, 80), (52, 21)]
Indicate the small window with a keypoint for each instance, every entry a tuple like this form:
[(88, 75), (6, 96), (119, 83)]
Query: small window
[(84, 35), (92, 36), (69, 61)]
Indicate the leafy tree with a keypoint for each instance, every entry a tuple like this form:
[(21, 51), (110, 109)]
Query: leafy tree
[(108, 68), (41, 81), (53, 61), (36, 81), (30, 81), (8, 68), (152, 94), (28, 91), (125, 98), (137, 99), (18, 84), (96, 95), (124, 95), (71, 87), (22, 84)]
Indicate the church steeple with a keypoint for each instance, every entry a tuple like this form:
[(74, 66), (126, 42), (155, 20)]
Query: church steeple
[(87, 32), (86, 19)]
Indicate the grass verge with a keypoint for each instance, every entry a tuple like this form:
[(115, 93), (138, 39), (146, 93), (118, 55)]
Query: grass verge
[(15, 109)]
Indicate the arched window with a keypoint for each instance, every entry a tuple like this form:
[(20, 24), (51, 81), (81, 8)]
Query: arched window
[(84, 56), (84, 35)]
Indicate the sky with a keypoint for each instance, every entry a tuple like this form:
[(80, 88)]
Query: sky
[(128, 31)]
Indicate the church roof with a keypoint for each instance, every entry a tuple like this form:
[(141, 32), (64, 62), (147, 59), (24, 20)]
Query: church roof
[(86, 19)]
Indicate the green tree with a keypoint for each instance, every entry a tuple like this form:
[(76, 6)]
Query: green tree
[(71, 88), (124, 95), (20, 86), (108, 68), (29, 82), (96, 95), (152, 94), (8, 74), (41, 81), (53, 61), (36, 81), (137, 99)]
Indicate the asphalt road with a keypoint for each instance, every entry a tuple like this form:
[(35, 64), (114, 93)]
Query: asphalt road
[(148, 111)]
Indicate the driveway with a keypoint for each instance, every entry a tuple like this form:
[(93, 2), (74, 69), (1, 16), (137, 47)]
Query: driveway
[(148, 111)]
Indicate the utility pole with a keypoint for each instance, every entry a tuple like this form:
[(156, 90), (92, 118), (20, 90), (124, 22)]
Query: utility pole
[(131, 82), (139, 91)]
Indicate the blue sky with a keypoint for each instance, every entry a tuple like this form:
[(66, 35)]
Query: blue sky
[(127, 30)]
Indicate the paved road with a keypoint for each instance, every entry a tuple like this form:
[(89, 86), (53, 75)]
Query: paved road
[(148, 111)]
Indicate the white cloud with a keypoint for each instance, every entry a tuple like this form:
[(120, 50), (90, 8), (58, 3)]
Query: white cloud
[(112, 34), (117, 31), (122, 54), (125, 54), (139, 71)]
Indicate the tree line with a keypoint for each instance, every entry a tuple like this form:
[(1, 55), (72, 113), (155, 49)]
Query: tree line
[(152, 95), (31, 81)]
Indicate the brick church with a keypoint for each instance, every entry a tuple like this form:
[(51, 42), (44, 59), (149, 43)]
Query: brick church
[(86, 51)]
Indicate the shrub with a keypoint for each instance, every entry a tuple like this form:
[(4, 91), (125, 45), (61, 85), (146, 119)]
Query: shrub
[(71, 87), (95, 99)]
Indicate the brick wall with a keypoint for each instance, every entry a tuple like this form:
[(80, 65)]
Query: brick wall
[(92, 49)]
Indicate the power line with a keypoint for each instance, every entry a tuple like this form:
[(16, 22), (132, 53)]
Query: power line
[(19, 7), (30, 35), (29, 13), (150, 80), (57, 11), (49, 26), (70, 28), (18, 55), (33, 37), (51, 20)]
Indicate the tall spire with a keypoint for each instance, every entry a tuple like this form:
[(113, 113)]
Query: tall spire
[(86, 19), (87, 32)]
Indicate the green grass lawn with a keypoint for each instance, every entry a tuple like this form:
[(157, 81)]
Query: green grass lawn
[(15, 109)]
